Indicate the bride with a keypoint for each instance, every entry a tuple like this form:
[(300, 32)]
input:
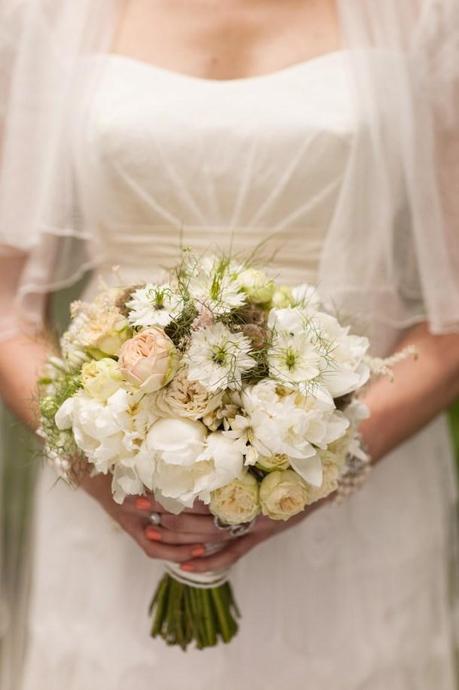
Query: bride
[(325, 137)]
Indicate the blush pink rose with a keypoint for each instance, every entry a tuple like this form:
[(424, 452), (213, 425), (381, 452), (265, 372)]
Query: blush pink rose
[(148, 360)]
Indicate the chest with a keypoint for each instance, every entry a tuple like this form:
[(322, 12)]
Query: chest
[(226, 40)]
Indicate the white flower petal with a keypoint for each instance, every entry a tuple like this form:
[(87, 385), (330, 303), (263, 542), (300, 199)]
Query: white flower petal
[(310, 469)]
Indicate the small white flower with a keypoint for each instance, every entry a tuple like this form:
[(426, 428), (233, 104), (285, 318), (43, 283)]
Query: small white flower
[(293, 359), (153, 305), (214, 282), (217, 358)]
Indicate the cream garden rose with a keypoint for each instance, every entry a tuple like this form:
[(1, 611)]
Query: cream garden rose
[(185, 398), (148, 360), (238, 501), (283, 494)]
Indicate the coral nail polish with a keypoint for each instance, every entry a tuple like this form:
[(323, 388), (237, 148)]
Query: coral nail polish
[(152, 534), (198, 551), (187, 567), (142, 503)]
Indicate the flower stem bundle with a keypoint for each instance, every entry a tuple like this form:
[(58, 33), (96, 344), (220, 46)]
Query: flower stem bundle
[(183, 614)]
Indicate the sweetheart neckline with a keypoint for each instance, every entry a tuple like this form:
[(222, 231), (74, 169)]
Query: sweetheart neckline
[(182, 76)]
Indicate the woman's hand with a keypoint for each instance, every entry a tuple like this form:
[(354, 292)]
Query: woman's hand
[(156, 542), (234, 548), (191, 538)]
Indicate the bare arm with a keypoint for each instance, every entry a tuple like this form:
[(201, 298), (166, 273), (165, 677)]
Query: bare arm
[(421, 389), (21, 361)]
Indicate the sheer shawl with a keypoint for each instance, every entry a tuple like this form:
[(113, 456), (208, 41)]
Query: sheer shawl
[(392, 250), (391, 253)]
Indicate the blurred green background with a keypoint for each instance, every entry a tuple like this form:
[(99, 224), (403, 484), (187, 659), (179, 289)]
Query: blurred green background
[(18, 463)]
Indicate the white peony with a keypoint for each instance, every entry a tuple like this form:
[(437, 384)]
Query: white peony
[(190, 464), (217, 358)]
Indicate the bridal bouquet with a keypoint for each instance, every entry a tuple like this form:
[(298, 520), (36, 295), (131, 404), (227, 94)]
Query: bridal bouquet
[(218, 385)]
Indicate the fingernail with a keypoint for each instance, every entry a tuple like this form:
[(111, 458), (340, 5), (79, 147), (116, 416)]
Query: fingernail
[(187, 567), (152, 534), (142, 503), (198, 551)]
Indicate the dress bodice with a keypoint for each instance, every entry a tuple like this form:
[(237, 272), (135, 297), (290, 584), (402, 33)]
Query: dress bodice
[(244, 163)]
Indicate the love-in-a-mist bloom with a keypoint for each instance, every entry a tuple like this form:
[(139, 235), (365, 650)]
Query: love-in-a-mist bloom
[(153, 305), (217, 358)]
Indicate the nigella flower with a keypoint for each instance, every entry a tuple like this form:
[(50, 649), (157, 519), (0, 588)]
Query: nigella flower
[(214, 282), (293, 359), (153, 305), (217, 358)]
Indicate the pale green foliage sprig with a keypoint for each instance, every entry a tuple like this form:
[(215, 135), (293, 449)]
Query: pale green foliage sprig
[(55, 387)]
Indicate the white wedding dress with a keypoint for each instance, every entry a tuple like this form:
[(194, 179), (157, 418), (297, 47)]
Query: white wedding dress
[(354, 598)]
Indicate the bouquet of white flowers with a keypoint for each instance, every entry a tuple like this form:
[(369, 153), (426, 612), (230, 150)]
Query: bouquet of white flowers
[(218, 385)]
